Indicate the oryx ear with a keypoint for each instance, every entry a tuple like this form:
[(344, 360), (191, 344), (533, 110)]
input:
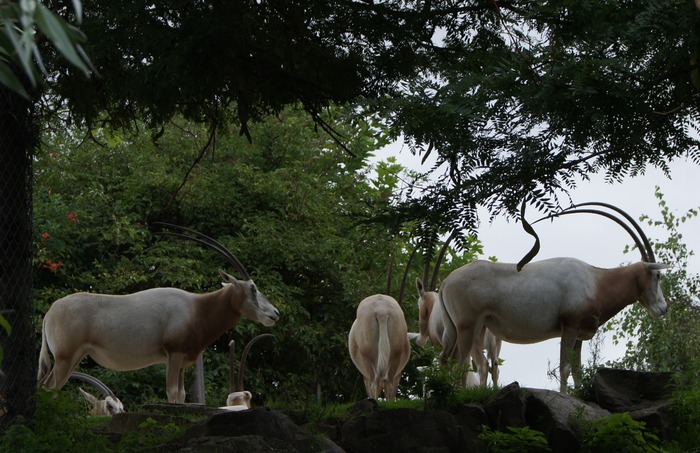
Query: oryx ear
[(90, 398), (657, 266), (419, 286), (226, 277)]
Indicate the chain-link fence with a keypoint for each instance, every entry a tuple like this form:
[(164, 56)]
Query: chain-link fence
[(18, 368)]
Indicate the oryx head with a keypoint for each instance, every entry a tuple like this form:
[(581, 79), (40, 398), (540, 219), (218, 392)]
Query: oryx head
[(254, 305), (652, 297)]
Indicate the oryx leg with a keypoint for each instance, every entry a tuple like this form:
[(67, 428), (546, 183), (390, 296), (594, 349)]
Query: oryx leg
[(62, 369), (576, 369), (482, 366), (391, 388), (493, 348), (568, 341), (467, 337), (174, 378)]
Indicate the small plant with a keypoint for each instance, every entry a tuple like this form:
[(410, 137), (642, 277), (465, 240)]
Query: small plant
[(442, 384), (619, 432), (515, 440), (150, 435)]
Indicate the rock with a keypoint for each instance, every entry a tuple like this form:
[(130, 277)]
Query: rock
[(557, 416), (403, 430), (132, 421), (471, 417), (628, 391), (659, 419), (507, 408), (249, 430)]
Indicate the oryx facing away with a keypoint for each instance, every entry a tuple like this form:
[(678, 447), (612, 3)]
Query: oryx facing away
[(559, 297), (378, 343), (158, 325)]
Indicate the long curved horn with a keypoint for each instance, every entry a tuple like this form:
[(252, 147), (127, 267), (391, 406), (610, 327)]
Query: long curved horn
[(390, 275), (642, 244), (440, 258), (206, 241), (244, 357), (630, 219), (99, 385), (404, 278), (531, 231)]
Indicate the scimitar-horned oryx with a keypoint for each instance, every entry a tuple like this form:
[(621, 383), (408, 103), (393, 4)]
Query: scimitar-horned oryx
[(558, 297), (378, 343), (158, 325), (431, 323)]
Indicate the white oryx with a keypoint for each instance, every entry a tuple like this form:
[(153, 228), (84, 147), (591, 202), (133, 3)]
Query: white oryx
[(378, 343), (431, 325), (109, 405), (559, 297), (159, 325), (106, 406)]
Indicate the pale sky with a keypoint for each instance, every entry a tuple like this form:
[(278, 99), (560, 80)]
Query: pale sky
[(593, 239)]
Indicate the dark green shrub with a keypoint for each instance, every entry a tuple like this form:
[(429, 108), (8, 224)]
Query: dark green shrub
[(618, 433), (515, 440)]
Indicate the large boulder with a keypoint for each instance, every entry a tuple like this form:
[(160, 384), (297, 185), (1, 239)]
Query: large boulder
[(557, 415), (259, 429), (628, 391), (507, 407), (645, 395), (403, 430)]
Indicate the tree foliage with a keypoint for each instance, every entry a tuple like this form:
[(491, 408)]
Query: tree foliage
[(21, 23), (514, 99), (669, 343), (290, 207), (524, 99)]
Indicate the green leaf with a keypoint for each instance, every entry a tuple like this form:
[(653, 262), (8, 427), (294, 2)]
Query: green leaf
[(57, 31), (5, 325), (8, 78)]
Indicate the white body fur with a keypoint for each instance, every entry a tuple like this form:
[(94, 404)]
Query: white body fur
[(559, 297), (379, 346), (160, 325), (238, 401), (108, 406), (432, 328)]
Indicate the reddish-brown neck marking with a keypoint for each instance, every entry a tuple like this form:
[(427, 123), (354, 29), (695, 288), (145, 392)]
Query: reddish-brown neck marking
[(214, 314), (618, 288)]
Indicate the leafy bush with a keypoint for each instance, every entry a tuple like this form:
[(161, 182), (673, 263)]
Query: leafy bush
[(515, 440), (60, 423), (687, 411), (618, 432)]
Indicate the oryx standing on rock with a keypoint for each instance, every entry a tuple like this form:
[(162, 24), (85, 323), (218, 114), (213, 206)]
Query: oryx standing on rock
[(559, 297), (159, 325)]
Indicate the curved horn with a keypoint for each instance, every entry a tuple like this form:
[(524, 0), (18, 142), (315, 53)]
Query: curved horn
[(642, 244), (440, 257), (244, 356), (531, 231), (208, 242), (630, 219), (390, 275), (99, 385), (402, 288)]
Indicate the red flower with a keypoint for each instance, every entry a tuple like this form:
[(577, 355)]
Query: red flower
[(45, 235), (53, 267), (72, 216)]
